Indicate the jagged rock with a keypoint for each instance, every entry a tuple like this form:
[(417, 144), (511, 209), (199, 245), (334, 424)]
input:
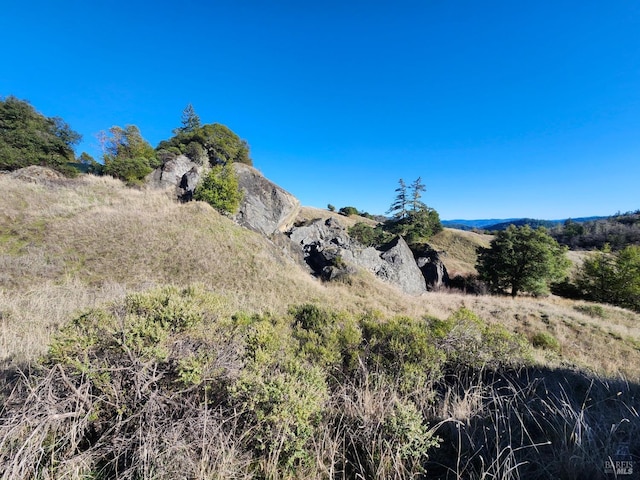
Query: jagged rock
[(265, 208), (401, 268), (433, 270), (179, 173), (330, 252)]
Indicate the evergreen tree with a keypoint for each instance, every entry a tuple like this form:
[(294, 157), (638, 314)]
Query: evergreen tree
[(522, 260), (190, 121), (399, 206), (417, 187)]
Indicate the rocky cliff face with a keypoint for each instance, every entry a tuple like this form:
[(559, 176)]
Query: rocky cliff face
[(330, 253), (325, 245), (179, 173), (265, 207)]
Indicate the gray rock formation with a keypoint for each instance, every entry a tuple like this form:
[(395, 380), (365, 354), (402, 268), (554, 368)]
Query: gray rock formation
[(265, 208), (330, 253), (433, 270), (179, 173)]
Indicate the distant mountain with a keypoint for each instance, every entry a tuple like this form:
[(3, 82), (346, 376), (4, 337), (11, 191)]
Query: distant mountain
[(503, 224), (471, 224)]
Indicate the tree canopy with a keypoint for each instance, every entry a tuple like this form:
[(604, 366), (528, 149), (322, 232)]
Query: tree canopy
[(612, 277), (29, 138), (127, 155), (521, 259), (412, 218), (212, 143)]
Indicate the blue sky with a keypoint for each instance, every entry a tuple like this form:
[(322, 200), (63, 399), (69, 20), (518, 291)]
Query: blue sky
[(504, 109)]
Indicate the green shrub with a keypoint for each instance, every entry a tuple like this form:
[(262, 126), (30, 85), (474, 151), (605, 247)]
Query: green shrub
[(328, 339), (281, 395), (546, 341), (369, 236), (591, 310), (219, 188), (470, 342), (348, 211), (403, 349)]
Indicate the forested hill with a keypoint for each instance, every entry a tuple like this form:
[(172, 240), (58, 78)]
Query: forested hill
[(617, 231), (586, 233), (495, 224)]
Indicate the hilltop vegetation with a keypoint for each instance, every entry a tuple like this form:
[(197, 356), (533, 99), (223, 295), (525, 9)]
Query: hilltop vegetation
[(29, 138)]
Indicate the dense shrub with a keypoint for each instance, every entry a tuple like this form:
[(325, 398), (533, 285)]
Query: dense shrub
[(29, 138), (546, 341), (163, 385), (211, 143), (219, 188), (369, 236)]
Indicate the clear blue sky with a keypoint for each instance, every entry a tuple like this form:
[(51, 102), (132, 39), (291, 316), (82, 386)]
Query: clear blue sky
[(504, 108)]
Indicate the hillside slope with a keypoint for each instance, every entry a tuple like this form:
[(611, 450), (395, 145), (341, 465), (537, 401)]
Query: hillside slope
[(66, 245), (183, 345)]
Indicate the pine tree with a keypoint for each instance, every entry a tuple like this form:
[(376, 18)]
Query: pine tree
[(417, 187), (399, 206), (190, 120)]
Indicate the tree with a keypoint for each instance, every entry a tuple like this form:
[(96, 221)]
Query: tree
[(417, 187), (190, 121), (522, 260), (127, 155), (412, 219), (612, 277), (216, 142), (29, 138), (399, 206), (220, 189)]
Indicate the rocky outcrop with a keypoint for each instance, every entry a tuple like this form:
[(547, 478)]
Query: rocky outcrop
[(265, 208), (179, 173), (433, 270), (330, 253)]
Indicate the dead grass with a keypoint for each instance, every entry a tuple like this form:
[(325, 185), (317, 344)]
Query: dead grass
[(458, 250), (71, 245)]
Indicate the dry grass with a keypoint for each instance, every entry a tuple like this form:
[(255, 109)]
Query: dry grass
[(70, 245), (458, 250)]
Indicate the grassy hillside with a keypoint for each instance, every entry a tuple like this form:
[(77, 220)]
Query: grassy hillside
[(69, 245), (458, 250)]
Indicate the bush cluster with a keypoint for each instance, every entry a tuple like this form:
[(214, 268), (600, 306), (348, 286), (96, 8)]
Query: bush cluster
[(161, 381)]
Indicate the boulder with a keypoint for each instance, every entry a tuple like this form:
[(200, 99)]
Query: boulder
[(433, 270), (330, 253), (265, 208), (401, 268), (179, 173)]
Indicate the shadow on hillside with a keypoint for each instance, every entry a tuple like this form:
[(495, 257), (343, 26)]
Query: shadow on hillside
[(537, 423), (10, 373)]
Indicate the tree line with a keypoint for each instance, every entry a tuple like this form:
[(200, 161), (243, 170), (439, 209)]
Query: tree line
[(29, 138), (527, 260)]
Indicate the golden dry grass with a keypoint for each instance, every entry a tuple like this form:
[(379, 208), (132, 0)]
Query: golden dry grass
[(458, 250), (71, 245)]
